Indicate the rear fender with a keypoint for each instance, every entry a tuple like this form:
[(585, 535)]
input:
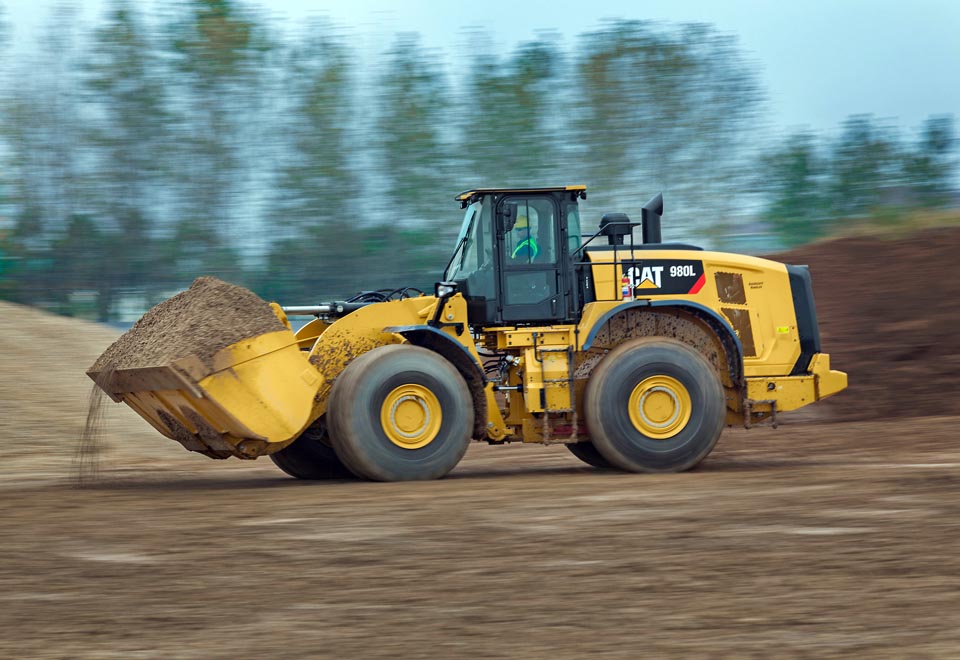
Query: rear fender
[(720, 327)]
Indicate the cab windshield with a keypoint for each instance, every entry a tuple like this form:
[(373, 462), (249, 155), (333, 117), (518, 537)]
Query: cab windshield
[(473, 250)]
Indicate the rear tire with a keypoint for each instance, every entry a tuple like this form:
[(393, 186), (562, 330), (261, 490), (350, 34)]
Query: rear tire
[(400, 413), (311, 456), (587, 452), (654, 405)]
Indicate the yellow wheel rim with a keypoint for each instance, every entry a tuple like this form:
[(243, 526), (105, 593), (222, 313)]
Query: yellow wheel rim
[(411, 416), (660, 407)]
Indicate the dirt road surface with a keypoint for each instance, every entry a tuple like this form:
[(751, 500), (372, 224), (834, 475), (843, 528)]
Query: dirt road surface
[(809, 541)]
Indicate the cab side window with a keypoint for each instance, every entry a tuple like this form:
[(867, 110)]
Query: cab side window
[(530, 240), (574, 237)]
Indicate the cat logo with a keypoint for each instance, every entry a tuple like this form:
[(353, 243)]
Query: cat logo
[(648, 277)]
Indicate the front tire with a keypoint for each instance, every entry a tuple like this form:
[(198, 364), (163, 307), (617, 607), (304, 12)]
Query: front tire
[(399, 413), (587, 452), (311, 456), (654, 405)]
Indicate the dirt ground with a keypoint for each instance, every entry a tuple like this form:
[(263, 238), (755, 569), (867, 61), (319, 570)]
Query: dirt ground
[(889, 312), (812, 541), (809, 541)]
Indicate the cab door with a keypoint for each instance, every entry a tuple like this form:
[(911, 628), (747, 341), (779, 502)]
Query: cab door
[(531, 263)]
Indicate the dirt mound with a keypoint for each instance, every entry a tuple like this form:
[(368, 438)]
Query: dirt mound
[(44, 403), (889, 314), (43, 397), (205, 318)]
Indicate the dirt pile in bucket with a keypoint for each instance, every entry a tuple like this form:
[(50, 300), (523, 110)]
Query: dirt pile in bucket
[(202, 320), (889, 312)]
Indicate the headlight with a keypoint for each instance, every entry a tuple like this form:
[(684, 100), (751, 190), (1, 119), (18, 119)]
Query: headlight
[(444, 289)]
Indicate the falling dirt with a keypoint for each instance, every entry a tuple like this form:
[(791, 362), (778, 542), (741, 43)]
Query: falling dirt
[(86, 464), (91, 445)]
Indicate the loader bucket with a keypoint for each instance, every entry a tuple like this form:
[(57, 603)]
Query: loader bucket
[(251, 398)]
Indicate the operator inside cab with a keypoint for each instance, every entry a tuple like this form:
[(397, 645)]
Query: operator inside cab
[(525, 248)]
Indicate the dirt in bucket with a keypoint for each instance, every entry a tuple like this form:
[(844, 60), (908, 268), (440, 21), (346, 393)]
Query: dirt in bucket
[(202, 320)]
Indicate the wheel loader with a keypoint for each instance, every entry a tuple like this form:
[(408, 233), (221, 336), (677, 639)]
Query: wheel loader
[(633, 354)]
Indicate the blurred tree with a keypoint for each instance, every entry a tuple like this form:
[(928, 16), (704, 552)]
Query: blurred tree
[(313, 205), (864, 161), (43, 135), (6, 244), (811, 183), (4, 28), (411, 118), (794, 178), (163, 145), (218, 50), (665, 109), (127, 134), (85, 259), (508, 111), (930, 165)]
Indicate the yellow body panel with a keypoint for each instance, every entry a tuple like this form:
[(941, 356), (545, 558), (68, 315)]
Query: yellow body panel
[(765, 323), (269, 386), (363, 330), (771, 349), (307, 335), (360, 332), (792, 392), (255, 396)]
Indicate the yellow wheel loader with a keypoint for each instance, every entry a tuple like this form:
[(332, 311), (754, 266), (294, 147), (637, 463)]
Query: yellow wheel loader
[(634, 356)]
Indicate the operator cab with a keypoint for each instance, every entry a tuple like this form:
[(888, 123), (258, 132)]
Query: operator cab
[(512, 260)]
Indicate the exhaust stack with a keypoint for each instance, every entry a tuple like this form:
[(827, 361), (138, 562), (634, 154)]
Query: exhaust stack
[(650, 219)]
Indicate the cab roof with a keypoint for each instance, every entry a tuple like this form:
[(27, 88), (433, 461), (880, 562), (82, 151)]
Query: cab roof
[(470, 194)]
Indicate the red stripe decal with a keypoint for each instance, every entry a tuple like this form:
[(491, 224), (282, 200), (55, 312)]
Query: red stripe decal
[(698, 285)]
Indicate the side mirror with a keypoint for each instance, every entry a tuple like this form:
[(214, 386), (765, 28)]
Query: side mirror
[(507, 217)]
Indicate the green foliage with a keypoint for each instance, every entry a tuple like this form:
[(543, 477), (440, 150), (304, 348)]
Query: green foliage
[(929, 169), (815, 186), (121, 79), (218, 52), (795, 177), (508, 135), (319, 170), (665, 109), (864, 159), (185, 138), (412, 103)]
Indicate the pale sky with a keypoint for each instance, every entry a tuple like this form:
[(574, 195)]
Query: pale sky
[(820, 60)]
